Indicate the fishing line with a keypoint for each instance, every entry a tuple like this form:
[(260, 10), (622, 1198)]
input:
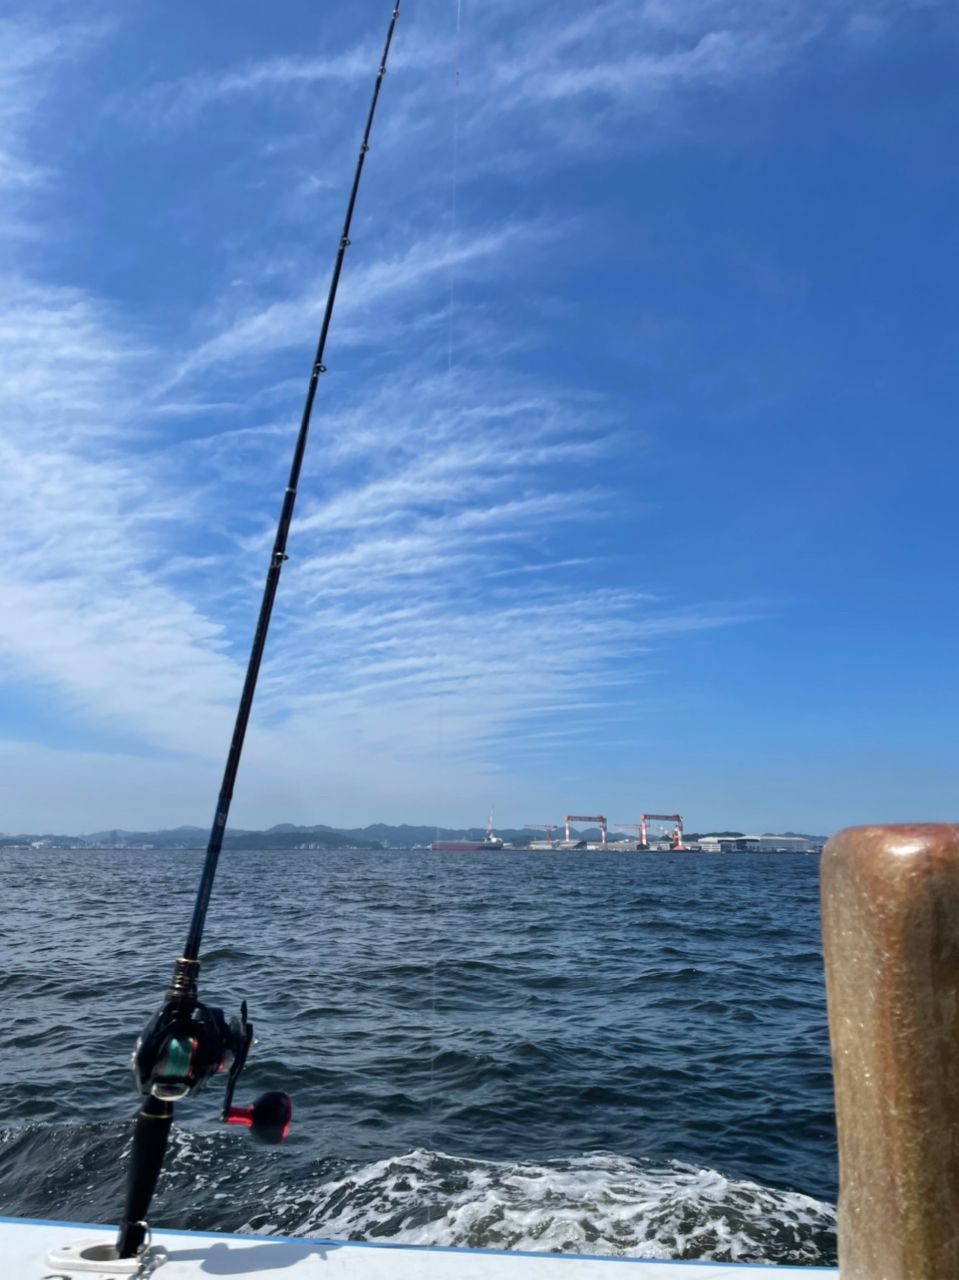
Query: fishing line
[(439, 725), (454, 187)]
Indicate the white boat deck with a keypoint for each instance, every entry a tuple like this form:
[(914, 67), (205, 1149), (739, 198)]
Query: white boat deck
[(25, 1245)]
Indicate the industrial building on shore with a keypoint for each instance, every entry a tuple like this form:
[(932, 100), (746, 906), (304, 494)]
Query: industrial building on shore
[(756, 844)]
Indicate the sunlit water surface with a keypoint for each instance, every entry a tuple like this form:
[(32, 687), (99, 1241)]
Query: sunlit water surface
[(603, 1053)]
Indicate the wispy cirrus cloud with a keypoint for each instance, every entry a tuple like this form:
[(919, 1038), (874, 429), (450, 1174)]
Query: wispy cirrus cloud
[(177, 103), (399, 589), (181, 101), (631, 55), (85, 613), (367, 300), (85, 621), (26, 53), (461, 670)]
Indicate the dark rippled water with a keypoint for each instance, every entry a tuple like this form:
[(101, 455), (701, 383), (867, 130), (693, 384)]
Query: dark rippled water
[(614, 1052)]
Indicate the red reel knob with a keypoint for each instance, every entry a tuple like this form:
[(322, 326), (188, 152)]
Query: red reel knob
[(268, 1119)]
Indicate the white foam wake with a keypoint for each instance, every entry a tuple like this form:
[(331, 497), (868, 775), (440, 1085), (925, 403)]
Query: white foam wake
[(601, 1204)]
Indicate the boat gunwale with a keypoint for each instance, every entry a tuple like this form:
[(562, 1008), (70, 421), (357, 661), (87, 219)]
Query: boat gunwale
[(428, 1248)]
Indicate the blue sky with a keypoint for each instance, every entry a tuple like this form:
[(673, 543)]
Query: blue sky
[(631, 482)]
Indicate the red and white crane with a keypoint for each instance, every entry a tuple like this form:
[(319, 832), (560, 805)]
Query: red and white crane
[(578, 817), (675, 836)]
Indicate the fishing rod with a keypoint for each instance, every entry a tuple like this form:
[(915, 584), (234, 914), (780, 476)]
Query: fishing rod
[(186, 1043)]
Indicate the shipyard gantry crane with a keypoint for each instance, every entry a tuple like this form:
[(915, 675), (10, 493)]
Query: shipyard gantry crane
[(578, 817), (642, 828), (675, 836)]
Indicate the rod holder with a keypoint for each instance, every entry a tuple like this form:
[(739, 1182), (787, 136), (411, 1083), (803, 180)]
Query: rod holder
[(890, 920)]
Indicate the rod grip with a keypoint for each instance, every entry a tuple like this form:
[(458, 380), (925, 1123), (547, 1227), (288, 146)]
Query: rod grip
[(146, 1159), (890, 915)]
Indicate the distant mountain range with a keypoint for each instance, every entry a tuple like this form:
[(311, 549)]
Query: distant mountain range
[(285, 835)]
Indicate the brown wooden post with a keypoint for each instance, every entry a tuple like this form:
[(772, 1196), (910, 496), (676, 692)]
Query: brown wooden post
[(890, 918)]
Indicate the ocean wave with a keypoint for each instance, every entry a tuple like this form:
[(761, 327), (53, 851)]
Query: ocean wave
[(598, 1203)]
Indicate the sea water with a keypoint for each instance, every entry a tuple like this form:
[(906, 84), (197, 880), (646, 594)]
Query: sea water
[(599, 1052)]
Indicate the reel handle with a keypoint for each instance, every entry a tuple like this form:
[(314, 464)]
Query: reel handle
[(268, 1119)]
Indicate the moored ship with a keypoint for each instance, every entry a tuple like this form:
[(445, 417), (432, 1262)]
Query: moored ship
[(489, 841)]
